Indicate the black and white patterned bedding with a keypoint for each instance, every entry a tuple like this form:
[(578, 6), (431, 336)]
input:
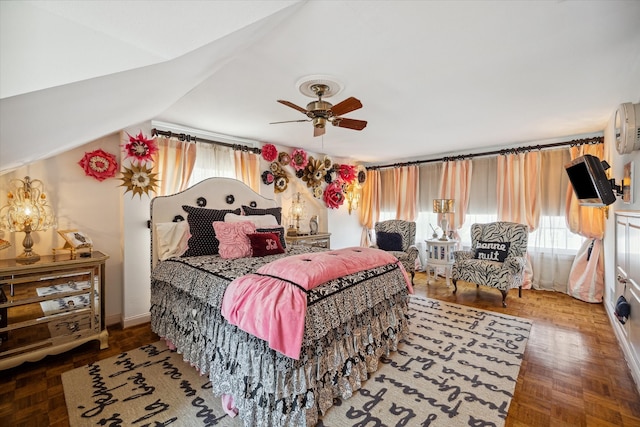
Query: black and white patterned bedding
[(350, 323)]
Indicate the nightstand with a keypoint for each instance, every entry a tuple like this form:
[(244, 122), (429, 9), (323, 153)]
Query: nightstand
[(440, 255), (320, 240), (51, 306)]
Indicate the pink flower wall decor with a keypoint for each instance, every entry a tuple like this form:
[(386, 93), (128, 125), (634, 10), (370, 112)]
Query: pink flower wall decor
[(269, 152), (333, 195), (347, 173), (99, 164), (299, 159), (140, 148)]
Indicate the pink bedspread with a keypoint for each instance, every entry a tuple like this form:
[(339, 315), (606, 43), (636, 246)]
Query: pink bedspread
[(271, 303)]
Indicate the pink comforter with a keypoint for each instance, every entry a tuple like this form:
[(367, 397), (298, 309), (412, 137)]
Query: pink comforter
[(271, 303)]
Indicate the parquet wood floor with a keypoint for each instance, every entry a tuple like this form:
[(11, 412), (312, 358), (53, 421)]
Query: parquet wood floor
[(573, 373)]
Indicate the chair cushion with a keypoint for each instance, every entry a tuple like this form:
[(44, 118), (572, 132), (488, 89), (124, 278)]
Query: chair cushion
[(492, 251), (389, 241)]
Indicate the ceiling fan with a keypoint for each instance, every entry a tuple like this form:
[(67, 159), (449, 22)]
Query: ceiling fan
[(320, 112)]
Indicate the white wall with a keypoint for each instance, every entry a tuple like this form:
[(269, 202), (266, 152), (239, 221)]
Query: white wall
[(79, 202), (617, 163), (136, 248)]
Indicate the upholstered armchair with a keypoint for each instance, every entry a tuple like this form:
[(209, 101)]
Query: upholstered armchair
[(398, 237), (497, 257)]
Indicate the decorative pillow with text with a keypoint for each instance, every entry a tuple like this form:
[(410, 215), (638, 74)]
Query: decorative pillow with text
[(492, 251), (263, 244), (279, 231)]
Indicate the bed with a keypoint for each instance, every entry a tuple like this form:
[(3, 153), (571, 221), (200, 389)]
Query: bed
[(349, 323)]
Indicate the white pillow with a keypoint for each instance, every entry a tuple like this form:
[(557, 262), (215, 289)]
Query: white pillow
[(172, 238), (259, 220)]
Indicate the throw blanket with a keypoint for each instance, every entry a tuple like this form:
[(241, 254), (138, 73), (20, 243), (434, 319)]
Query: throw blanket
[(271, 303)]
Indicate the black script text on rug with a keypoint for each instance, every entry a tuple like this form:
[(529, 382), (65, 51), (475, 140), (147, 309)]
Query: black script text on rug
[(147, 386), (458, 366)]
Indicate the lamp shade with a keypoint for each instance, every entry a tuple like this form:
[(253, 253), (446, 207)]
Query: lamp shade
[(443, 206)]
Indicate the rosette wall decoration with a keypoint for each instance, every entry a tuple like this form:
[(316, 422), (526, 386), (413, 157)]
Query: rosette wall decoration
[(267, 177), (139, 179), (269, 152), (281, 183), (299, 159), (284, 158), (99, 164), (140, 148), (333, 195), (347, 173), (331, 182), (314, 172)]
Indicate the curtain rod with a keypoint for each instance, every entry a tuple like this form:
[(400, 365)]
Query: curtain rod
[(574, 142), (189, 138)]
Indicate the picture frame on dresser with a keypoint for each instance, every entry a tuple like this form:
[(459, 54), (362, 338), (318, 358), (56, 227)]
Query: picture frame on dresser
[(75, 241)]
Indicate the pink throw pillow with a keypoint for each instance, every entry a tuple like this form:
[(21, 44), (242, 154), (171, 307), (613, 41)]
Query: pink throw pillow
[(234, 242)]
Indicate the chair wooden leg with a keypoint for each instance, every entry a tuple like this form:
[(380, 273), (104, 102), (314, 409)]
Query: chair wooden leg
[(413, 273), (519, 291), (455, 285), (504, 297)]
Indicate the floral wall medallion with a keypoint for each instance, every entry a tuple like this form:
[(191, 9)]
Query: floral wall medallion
[(269, 152), (99, 164), (139, 179), (140, 148)]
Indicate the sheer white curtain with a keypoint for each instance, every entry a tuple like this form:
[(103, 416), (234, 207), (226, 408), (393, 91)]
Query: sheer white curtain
[(212, 160), (552, 246)]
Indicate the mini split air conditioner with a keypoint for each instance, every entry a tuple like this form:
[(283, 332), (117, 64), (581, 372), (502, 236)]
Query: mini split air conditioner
[(627, 124)]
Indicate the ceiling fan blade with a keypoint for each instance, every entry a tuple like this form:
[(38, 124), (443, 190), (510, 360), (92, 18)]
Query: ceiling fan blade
[(291, 121), (349, 123), (292, 105), (346, 106), (317, 131)]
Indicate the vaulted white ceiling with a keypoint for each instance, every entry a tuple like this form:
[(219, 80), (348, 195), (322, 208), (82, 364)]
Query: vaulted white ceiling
[(434, 77)]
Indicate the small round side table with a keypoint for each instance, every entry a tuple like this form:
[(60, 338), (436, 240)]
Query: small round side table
[(440, 255)]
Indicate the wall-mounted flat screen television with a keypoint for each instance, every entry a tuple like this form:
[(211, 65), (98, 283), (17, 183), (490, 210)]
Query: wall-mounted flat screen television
[(589, 181)]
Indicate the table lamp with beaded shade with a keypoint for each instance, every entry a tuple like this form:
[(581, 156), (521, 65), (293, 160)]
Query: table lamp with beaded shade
[(27, 210)]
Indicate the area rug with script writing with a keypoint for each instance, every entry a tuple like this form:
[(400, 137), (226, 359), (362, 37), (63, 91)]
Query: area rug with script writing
[(458, 366)]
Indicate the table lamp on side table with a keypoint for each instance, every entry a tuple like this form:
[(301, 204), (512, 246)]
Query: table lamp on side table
[(27, 210), (443, 207)]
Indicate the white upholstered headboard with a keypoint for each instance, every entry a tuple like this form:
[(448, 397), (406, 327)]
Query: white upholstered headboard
[(212, 193)]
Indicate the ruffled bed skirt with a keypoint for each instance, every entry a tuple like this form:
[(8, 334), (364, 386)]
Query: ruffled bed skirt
[(345, 336)]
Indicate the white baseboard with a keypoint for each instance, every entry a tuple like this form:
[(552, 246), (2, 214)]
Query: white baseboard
[(136, 320), (634, 365)]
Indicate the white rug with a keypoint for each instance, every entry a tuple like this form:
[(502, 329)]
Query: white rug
[(458, 367)]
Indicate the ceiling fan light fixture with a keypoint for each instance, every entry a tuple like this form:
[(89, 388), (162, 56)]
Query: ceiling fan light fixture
[(319, 122), (320, 111), (308, 85)]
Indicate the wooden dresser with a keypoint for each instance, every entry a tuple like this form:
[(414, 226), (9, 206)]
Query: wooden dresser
[(320, 240), (50, 306)]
